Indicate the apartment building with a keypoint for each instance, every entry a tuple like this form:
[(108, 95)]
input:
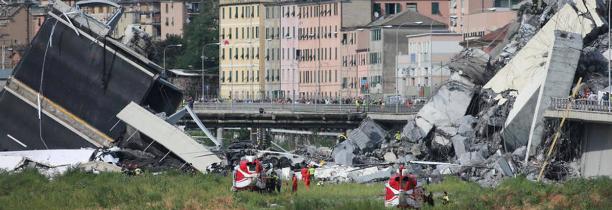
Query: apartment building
[(274, 55), (423, 69), (242, 54), (319, 41), (355, 48), (173, 18), (387, 40), (434, 9), (289, 44), (475, 18), (19, 23)]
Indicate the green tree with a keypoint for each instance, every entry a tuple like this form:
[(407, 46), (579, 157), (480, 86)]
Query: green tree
[(172, 54), (203, 29)]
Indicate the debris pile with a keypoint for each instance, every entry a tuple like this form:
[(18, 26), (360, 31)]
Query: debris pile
[(488, 118), (69, 92)]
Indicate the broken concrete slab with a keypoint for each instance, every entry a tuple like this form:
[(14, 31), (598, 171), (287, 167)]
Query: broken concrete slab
[(334, 173), (448, 105), (86, 79), (527, 62), (10, 163), (466, 126), (344, 153), (524, 123), (371, 176), (503, 165), (172, 138), (411, 132), (368, 136), (97, 167), (390, 157), (471, 158), (459, 144), (52, 162), (473, 63)]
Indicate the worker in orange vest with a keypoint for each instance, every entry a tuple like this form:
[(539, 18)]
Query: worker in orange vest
[(306, 177), (294, 184)]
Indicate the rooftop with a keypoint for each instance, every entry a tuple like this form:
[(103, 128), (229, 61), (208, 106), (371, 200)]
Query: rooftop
[(406, 18)]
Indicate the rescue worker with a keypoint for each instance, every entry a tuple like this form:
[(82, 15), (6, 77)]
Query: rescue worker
[(311, 172), (398, 136), (279, 182), (274, 183), (294, 184), (306, 177), (445, 199), (342, 137)]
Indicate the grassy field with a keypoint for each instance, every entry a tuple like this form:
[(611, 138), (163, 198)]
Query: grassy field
[(76, 190)]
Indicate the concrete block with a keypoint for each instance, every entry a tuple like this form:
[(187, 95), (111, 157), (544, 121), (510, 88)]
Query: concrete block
[(459, 144), (390, 157), (448, 105), (344, 153), (471, 158)]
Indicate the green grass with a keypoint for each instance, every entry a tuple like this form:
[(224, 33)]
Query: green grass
[(76, 190)]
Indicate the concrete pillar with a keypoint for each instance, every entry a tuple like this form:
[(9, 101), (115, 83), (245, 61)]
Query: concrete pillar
[(220, 135)]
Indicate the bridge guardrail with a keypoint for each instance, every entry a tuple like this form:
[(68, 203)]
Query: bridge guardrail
[(318, 108), (580, 105)]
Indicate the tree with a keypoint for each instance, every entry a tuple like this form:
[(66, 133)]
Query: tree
[(203, 29)]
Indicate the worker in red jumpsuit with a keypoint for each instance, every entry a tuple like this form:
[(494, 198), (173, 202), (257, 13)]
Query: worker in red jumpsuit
[(306, 177), (294, 184)]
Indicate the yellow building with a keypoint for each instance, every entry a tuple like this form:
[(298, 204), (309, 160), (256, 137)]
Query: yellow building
[(241, 54)]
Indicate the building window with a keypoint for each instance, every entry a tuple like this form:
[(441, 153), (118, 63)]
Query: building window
[(376, 35), (392, 8), (411, 7), (435, 8), (223, 13), (166, 8), (230, 13), (376, 10)]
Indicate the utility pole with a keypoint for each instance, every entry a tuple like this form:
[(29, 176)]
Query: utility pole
[(609, 57), (202, 57), (3, 57)]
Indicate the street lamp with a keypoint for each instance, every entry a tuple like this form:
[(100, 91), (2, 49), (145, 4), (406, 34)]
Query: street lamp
[(202, 57), (397, 54), (165, 48)]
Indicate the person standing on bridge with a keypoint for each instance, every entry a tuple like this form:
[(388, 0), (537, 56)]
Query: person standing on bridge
[(357, 104)]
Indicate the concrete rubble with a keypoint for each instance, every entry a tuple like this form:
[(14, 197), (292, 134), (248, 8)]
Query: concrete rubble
[(55, 162), (480, 125), (60, 115), (484, 117)]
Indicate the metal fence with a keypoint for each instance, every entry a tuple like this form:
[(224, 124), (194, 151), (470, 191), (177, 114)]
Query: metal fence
[(315, 108), (580, 104)]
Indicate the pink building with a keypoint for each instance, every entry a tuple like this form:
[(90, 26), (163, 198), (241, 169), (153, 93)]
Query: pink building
[(363, 52), (289, 45), (355, 49), (434, 9), (474, 18), (319, 44), (173, 18)]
